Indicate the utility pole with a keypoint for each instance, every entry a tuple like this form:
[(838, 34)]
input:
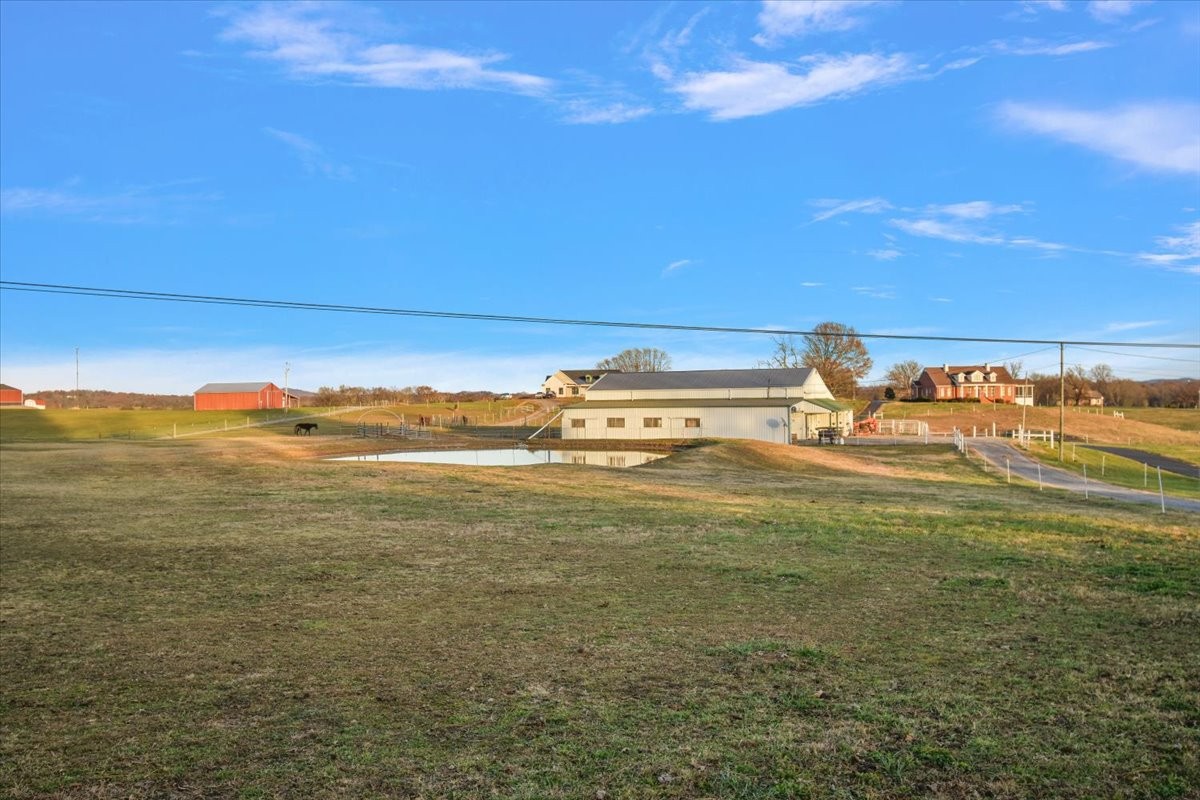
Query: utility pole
[(287, 367), (1062, 405), (77, 377)]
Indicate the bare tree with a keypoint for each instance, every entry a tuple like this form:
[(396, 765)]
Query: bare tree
[(786, 355), (837, 353), (902, 375), (1102, 378), (638, 359), (1077, 383), (1015, 368)]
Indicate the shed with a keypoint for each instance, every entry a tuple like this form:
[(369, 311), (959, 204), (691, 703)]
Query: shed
[(240, 397), (10, 395)]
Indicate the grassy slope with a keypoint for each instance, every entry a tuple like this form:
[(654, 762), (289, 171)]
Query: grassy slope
[(1169, 431), (223, 618)]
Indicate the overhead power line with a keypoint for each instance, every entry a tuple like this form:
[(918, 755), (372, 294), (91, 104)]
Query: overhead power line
[(172, 297), (1137, 355)]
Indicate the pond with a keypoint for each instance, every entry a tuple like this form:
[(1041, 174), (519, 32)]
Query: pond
[(518, 457)]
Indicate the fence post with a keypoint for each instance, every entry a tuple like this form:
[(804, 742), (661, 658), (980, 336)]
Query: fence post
[(1085, 483), (1007, 470), (1039, 465), (1162, 499), (1145, 474)]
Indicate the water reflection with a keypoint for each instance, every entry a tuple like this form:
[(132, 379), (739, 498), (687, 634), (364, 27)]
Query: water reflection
[(515, 458)]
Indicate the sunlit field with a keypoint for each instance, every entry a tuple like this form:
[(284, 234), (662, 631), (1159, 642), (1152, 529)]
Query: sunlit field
[(234, 617)]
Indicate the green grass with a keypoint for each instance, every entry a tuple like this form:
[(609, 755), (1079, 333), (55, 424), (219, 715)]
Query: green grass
[(85, 424), (203, 618), (58, 425), (1116, 470)]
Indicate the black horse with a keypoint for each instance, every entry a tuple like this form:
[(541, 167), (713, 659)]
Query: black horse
[(306, 428)]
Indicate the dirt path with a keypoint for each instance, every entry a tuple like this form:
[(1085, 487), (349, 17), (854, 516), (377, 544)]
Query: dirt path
[(1176, 465), (1002, 455)]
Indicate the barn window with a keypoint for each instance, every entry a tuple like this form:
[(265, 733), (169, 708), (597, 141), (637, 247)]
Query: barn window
[(691, 422), (577, 423), (652, 422), (616, 422)]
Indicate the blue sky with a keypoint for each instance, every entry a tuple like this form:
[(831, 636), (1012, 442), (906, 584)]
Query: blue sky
[(992, 169)]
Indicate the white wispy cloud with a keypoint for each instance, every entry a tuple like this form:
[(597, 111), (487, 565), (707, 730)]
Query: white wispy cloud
[(322, 42), (311, 155), (1178, 253), (752, 88), (833, 208), (590, 112), (948, 231), (675, 265), (1161, 137), (811, 284), (782, 19), (876, 292), (1111, 10), (885, 254), (975, 209), (1038, 47), (1039, 5), (1116, 327), (149, 204)]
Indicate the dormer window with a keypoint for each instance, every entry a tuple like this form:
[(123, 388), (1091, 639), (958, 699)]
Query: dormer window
[(992, 377)]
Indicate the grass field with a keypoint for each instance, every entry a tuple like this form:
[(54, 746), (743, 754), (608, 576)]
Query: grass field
[(231, 617), (1116, 470), (25, 425)]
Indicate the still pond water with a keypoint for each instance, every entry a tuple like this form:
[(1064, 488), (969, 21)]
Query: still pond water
[(515, 458)]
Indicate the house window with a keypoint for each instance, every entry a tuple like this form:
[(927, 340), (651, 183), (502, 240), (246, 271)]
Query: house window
[(577, 423), (616, 461), (574, 390), (691, 422), (560, 390), (616, 422), (652, 422)]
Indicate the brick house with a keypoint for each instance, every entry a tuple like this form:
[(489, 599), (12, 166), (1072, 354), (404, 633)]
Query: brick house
[(984, 383)]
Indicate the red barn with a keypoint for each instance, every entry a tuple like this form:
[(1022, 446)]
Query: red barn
[(239, 397), (10, 396)]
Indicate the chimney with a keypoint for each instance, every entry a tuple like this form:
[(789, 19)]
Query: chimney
[(945, 368), (987, 367)]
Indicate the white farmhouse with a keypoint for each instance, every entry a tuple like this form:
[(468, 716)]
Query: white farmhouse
[(771, 405), (573, 382)]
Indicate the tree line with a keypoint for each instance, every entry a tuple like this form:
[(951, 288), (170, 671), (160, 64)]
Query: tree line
[(392, 396)]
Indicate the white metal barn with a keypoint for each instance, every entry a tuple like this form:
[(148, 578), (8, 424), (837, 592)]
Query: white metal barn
[(771, 405)]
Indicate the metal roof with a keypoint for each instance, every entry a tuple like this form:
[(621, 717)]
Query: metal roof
[(673, 402), (828, 405), (222, 388), (704, 379)]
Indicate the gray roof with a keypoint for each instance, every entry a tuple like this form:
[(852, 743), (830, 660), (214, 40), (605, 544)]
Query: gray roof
[(706, 402), (222, 388), (705, 379), (673, 402), (229, 388)]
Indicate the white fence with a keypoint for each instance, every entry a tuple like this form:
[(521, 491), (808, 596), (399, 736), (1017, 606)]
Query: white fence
[(903, 427)]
